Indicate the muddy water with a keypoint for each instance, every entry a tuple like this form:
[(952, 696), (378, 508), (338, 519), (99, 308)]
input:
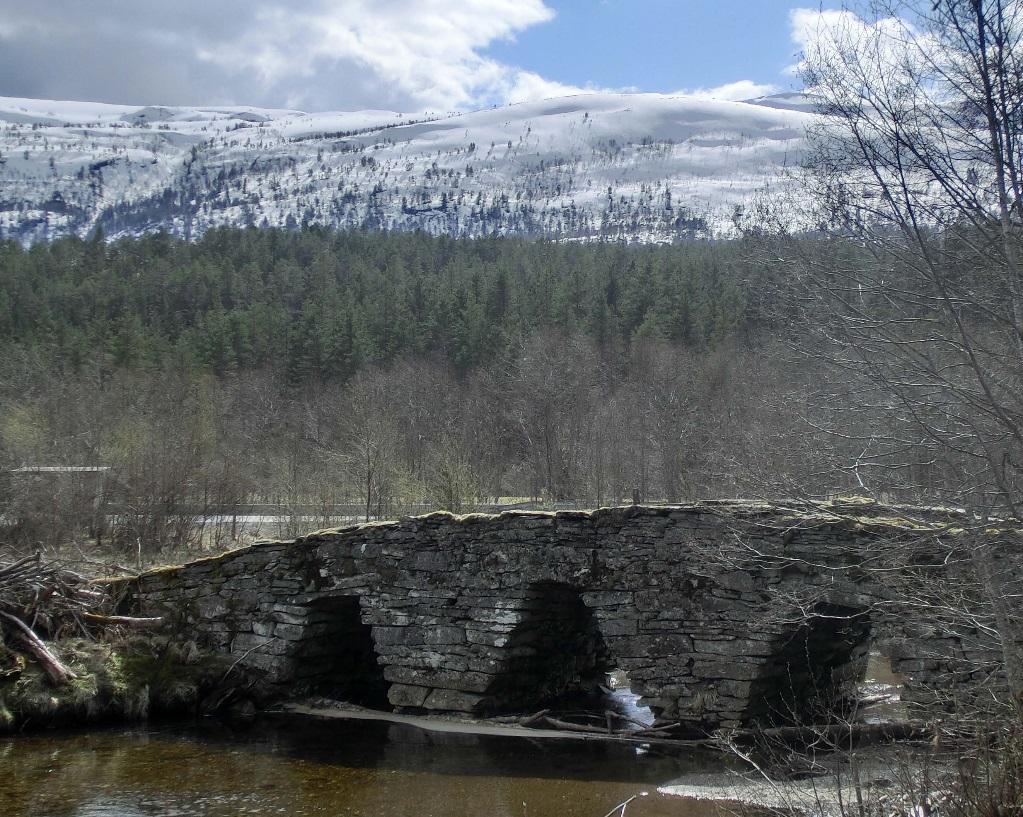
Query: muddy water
[(296, 767)]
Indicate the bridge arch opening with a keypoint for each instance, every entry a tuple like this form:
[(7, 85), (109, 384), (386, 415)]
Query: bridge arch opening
[(815, 669), (338, 657), (555, 652)]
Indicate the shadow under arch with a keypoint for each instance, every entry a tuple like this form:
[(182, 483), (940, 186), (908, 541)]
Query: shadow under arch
[(338, 656), (813, 670), (556, 651)]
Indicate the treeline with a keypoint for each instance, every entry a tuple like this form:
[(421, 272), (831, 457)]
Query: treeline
[(385, 373), (319, 305)]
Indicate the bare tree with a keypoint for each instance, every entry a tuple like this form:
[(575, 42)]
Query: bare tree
[(371, 441), (916, 175)]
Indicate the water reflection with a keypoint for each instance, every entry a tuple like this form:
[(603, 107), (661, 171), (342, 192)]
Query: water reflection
[(288, 767)]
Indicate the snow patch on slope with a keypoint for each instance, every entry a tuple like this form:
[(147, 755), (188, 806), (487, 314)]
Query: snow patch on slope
[(643, 167)]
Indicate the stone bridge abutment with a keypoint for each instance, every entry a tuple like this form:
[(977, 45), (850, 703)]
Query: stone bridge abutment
[(722, 614)]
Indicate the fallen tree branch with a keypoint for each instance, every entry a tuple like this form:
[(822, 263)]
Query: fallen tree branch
[(521, 720), (242, 657), (57, 672), (123, 621), (836, 733), (14, 568), (573, 727), (610, 713), (653, 730)]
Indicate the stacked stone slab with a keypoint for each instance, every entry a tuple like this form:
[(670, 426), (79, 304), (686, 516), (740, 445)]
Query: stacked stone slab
[(699, 604)]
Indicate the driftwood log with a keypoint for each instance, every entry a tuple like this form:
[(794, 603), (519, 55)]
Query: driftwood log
[(55, 670), (132, 622), (544, 720)]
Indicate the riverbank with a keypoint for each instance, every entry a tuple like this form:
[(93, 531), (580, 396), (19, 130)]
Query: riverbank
[(119, 680)]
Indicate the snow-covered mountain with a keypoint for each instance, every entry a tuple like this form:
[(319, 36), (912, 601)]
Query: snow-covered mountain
[(642, 166)]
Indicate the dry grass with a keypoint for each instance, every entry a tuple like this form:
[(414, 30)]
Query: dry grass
[(122, 680)]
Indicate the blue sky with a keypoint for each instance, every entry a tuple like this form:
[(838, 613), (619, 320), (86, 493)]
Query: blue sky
[(660, 45), (403, 55)]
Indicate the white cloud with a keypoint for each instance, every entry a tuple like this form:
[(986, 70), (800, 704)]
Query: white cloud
[(313, 54), (823, 36), (428, 50), (525, 86), (405, 55), (733, 91)]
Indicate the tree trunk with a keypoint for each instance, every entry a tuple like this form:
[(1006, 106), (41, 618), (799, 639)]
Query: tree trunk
[(57, 672)]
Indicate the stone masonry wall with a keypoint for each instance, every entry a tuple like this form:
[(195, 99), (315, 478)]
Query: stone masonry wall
[(699, 604)]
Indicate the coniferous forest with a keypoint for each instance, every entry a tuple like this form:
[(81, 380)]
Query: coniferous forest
[(323, 305), (315, 372)]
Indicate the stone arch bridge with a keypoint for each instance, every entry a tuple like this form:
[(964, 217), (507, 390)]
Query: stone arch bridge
[(721, 613)]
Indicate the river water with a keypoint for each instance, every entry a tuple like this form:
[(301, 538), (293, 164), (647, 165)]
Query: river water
[(297, 766)]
